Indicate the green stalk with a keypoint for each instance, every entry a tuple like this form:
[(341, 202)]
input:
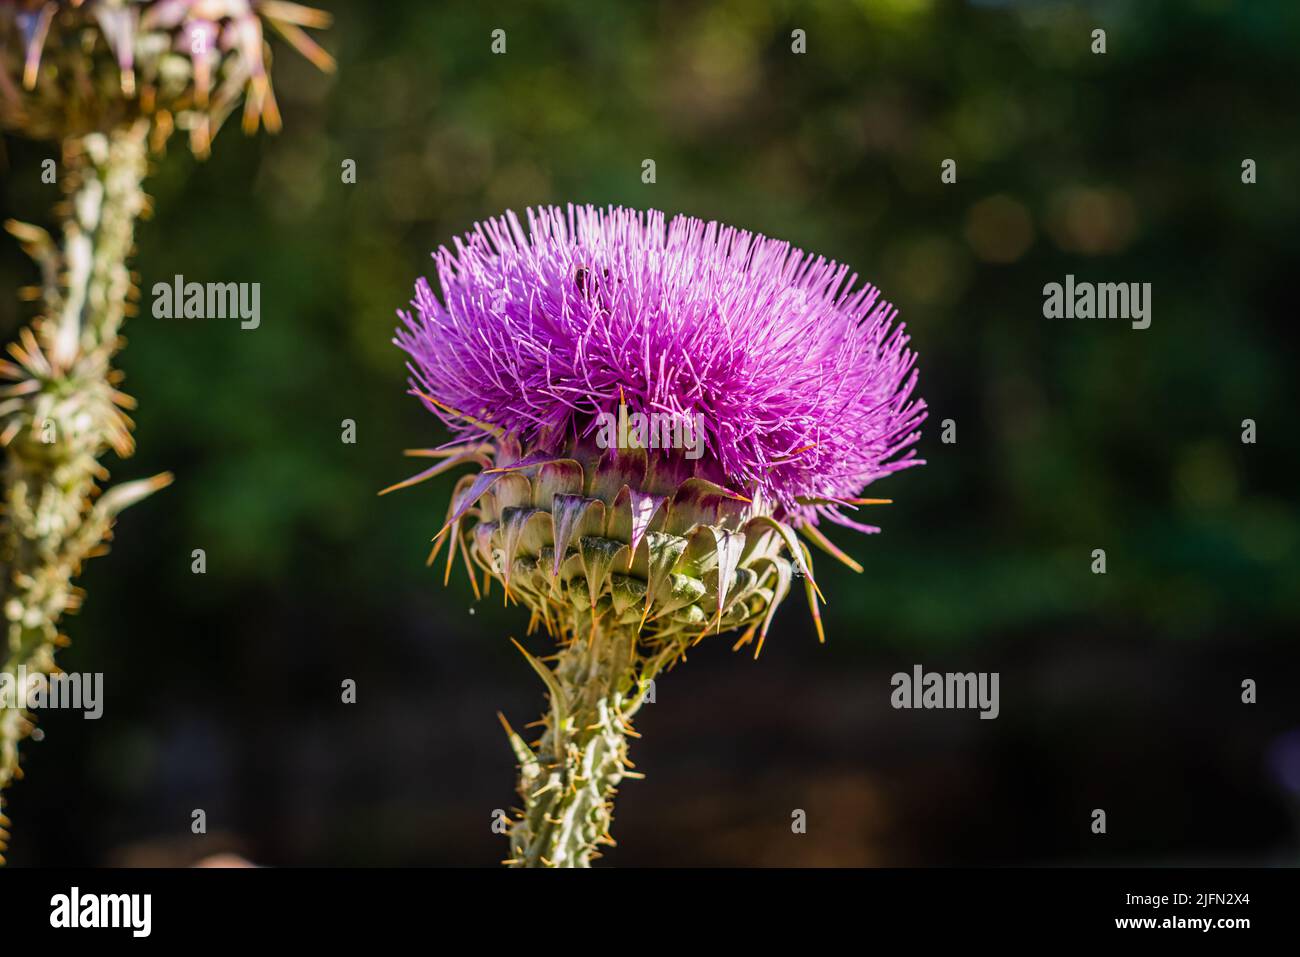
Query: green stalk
[(568, 783), (63, 411)]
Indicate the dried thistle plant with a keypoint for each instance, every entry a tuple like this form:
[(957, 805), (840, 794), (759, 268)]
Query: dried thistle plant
[(628, 552), (107, 80)]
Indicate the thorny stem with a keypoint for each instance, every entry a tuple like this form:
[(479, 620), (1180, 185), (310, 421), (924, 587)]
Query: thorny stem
[(61, 413), (568, 782)]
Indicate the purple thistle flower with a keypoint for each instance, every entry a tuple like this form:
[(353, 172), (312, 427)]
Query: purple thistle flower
[(804, 382), (797, 388)]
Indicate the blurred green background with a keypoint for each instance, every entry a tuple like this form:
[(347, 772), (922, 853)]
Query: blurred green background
[(1119, 691)]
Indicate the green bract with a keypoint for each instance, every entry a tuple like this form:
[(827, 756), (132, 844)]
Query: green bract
[(626, 558)]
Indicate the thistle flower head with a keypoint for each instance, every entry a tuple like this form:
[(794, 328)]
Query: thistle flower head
[(798, 389), (69, 67), (800, 376)]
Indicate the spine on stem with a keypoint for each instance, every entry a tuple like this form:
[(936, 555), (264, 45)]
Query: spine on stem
[(61, 411), (568, 783)]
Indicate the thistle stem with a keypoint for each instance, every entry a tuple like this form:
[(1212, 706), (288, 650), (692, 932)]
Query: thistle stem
[(568, 784), (61, 413)]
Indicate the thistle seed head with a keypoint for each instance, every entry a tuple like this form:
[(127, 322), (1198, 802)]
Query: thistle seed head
[(71, 67)]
